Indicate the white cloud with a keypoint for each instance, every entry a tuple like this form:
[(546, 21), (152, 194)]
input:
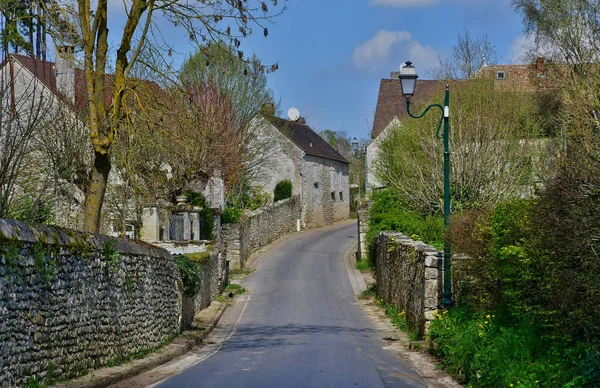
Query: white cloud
[(520, 48), (404, 3), (387, 49)]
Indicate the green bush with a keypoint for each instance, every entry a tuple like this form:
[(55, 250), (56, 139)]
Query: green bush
[(484, 351), (389, 214), (231, 215), (282, 190), (190, 275)]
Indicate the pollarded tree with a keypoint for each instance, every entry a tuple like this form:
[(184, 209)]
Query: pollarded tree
[(225, 22)]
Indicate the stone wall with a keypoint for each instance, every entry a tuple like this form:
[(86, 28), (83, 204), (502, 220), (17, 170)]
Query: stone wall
[(409, 276), (213, 280), (259, 228), (71, 301)]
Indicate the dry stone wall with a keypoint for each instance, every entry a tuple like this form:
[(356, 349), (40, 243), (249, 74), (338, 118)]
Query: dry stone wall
[(409, 276), (70, 301), (259, 228)]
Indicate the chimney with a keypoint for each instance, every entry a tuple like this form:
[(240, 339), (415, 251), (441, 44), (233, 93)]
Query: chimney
[(539, 66), (394, 75), (302, 121), (65, 71), (268, 108)]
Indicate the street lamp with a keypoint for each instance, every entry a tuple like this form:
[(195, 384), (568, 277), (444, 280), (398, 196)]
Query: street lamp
[(355, 149), (408, 82)]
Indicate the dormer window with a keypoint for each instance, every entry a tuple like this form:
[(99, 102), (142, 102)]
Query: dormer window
[(500, 75)]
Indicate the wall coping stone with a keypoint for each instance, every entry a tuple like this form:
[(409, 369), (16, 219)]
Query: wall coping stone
[(63, 237)]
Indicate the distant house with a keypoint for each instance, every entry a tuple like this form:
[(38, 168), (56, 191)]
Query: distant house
[(391, 104), (319, 174)]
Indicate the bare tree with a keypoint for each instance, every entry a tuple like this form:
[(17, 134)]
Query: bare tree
[(218, 21), (467, 57), (23, 111)]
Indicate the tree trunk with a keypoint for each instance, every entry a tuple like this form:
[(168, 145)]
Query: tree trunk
[(92, 207)]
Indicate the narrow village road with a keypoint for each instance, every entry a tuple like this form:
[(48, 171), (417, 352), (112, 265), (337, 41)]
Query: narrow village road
[(301, 326)]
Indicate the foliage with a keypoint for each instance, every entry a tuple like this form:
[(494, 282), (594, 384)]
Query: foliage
[(199, 257), (32, 210), (484, 350), (398, 318), (488, 125), (388, 213), (283, 190), (223, 23), (190, 275), (231, 215), (236, 288), (256, 198)]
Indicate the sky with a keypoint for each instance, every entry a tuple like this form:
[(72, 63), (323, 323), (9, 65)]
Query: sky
[(332, 54)]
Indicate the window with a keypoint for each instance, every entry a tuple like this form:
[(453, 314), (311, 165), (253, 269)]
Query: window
[(341, 196), (333, 196), (500, 75)]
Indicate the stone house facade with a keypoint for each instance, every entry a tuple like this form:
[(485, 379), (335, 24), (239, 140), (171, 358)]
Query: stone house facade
[(319, 174)]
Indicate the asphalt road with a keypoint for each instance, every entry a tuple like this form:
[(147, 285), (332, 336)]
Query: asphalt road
[(301, 327)]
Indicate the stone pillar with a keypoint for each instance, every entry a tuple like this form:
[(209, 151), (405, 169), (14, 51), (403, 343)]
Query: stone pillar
[(364, 205), (150, 230)]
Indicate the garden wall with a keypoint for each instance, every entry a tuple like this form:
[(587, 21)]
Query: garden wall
[(259, 228), (409, 276), (70, 301)]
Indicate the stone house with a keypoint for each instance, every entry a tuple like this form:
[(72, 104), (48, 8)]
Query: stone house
[(391, 104), (319, 174), (57, 90)]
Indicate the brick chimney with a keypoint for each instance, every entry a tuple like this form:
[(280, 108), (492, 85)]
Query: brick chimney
[(65, 71), (302, 121), (539, 66)]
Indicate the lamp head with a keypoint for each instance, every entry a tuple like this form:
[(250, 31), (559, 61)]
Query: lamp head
[(408, 79), (355, 145)]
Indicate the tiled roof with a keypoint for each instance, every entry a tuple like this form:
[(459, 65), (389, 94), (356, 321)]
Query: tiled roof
[(306, 139), (391, 103)]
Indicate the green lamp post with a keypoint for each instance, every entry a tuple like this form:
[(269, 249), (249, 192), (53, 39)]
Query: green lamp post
[(408, 82)]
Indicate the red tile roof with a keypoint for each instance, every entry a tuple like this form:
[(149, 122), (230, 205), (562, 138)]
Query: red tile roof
[(391, 103)]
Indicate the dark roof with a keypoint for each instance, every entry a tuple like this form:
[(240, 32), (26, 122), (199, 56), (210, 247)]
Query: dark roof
[(391, 103), (306, 139)]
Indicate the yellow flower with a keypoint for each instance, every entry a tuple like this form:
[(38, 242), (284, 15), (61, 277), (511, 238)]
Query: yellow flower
[(488, 316), (480, 326), (511, 385), (445, 311), (480, 334), (485, 322)]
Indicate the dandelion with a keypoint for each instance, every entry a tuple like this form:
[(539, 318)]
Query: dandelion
[(480, 326), (485, 322), (488, 316), (510, 385)]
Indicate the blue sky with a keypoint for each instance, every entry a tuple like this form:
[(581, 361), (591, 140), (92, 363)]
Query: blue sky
[(333, 53)]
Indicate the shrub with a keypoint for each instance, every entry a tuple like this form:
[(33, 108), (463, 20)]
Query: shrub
[(389, 214), (256, 198), (190, 275), (482, 350), (282, 190), (231, 215)]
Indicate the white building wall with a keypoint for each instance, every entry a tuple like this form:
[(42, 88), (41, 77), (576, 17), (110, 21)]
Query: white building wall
[(373, 153)]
